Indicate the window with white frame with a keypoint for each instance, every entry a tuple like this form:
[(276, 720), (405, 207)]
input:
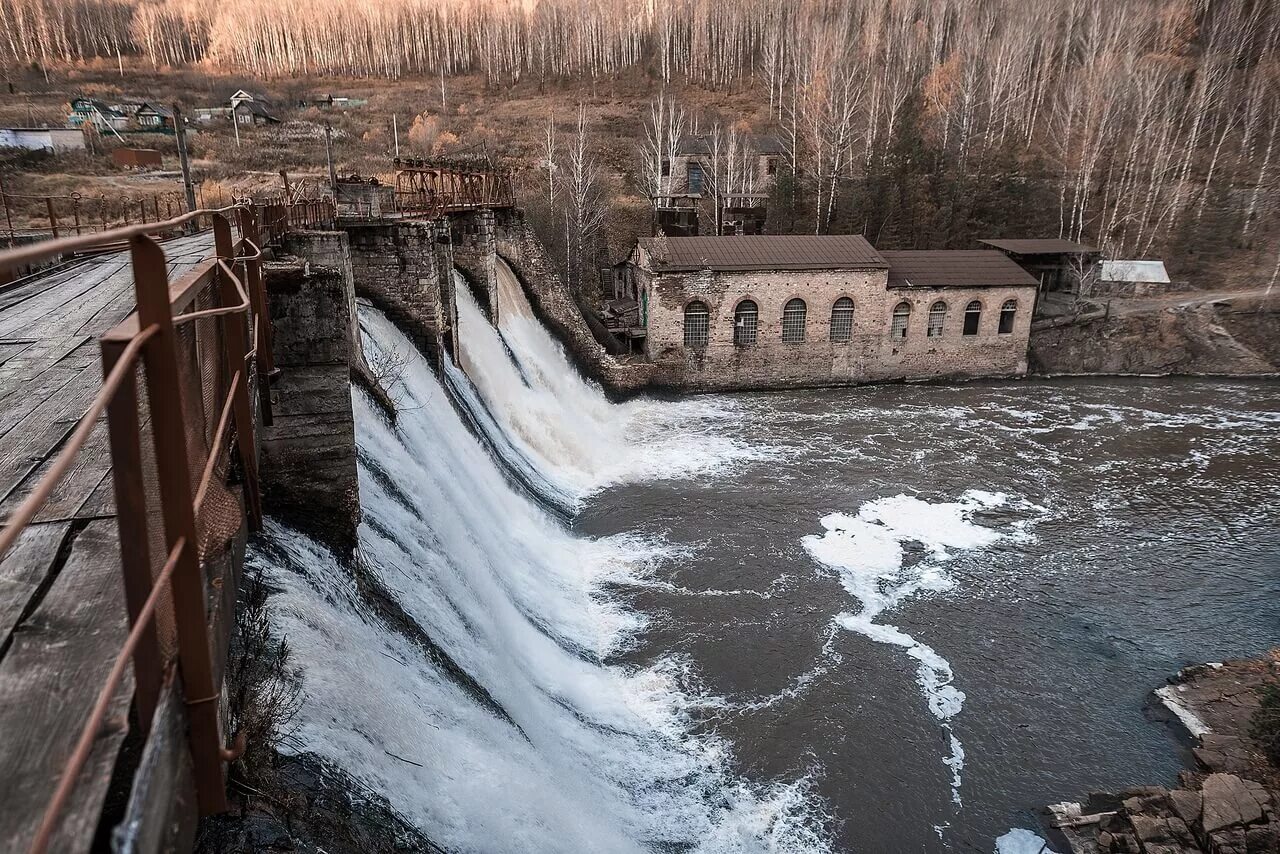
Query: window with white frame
[(972, 317)]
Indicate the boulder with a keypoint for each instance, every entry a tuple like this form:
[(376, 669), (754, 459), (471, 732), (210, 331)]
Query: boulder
[(1263, 839), (1228, 802), (1186, 805)]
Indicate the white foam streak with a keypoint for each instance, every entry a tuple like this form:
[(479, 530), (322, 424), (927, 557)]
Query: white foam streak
[(867, 551)]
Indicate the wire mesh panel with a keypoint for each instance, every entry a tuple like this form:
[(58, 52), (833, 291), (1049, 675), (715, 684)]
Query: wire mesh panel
[(842, 321), (901, 316), (697, 324), (793, 319), (937, 319), (746, 323)]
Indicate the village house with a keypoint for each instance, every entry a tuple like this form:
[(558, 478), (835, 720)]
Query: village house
[(97, 114), (250, 108), (748, 167), (787, 311)]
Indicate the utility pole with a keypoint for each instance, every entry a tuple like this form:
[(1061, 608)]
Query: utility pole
[(235, 123), (328, 153), (395, 133), (180, 132), (288, 191)]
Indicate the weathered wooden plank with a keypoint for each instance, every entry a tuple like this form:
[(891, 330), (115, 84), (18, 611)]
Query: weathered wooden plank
[(26, 447), (34, 312), (24, 569), (53, 671), (90, 466), (161, 813), (9, 349)]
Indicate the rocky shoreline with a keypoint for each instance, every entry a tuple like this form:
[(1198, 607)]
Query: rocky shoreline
[(1229, 803)]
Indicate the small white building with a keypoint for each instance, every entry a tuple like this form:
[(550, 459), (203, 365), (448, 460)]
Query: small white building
[(1134, 278), (43, 139), (1151, 272)]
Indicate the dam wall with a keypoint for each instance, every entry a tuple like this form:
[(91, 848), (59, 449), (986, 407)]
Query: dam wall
[(308, 451), (402, 268)]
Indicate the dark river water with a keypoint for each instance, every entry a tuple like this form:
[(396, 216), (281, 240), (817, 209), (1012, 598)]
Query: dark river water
[(1017, 566)]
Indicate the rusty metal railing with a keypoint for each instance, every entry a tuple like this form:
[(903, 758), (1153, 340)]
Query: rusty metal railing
[(199, 342)]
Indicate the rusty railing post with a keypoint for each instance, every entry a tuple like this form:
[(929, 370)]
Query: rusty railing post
[(53, 217), (125, 435), (169, 433), (261, 314), (236, 350)]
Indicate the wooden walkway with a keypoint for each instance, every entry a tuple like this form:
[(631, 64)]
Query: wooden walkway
[(62, 612)]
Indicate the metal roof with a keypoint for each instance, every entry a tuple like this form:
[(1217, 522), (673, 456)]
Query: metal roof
[(765, 252), (956, 268), (1134, 271), (1039, 246)]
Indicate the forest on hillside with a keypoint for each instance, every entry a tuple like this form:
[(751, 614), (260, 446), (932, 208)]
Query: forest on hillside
[(1148, 126)]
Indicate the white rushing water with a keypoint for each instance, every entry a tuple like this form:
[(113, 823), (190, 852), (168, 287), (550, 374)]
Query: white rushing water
[(867, 551), (475, 697), (563, 426)]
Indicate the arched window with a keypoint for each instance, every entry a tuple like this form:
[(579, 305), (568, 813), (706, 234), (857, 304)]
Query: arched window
[(1008, 312), (937, 317), (842, 320), (697, 321), (901, 314), (972, 317), (746, 323), (793, 317)]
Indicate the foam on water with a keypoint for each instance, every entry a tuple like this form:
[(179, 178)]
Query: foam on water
[(867, 552), (475, 694), (563, 423)]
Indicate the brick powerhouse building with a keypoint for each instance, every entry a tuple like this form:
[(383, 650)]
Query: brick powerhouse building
[(778, 311)]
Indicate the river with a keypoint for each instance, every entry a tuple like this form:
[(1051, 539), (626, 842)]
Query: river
[(885, 619), (1012, 565)]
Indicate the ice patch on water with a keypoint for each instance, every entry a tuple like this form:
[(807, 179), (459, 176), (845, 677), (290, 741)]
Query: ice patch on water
[(1019, 841), (867, 551)]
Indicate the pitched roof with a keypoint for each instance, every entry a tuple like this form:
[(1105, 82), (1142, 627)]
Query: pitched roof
[(1134, 271), (1039, 246), (766, 252), (954, 268)]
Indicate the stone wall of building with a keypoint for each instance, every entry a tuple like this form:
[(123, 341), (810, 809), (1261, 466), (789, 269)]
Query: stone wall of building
[(870, 355), (308, 460)]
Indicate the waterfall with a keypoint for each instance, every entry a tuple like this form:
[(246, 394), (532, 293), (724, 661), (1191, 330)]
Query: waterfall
[(461, 669), (562, 425)]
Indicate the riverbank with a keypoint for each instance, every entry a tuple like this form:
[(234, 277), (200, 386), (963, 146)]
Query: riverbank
[(1228, 803), (1192, 334)]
